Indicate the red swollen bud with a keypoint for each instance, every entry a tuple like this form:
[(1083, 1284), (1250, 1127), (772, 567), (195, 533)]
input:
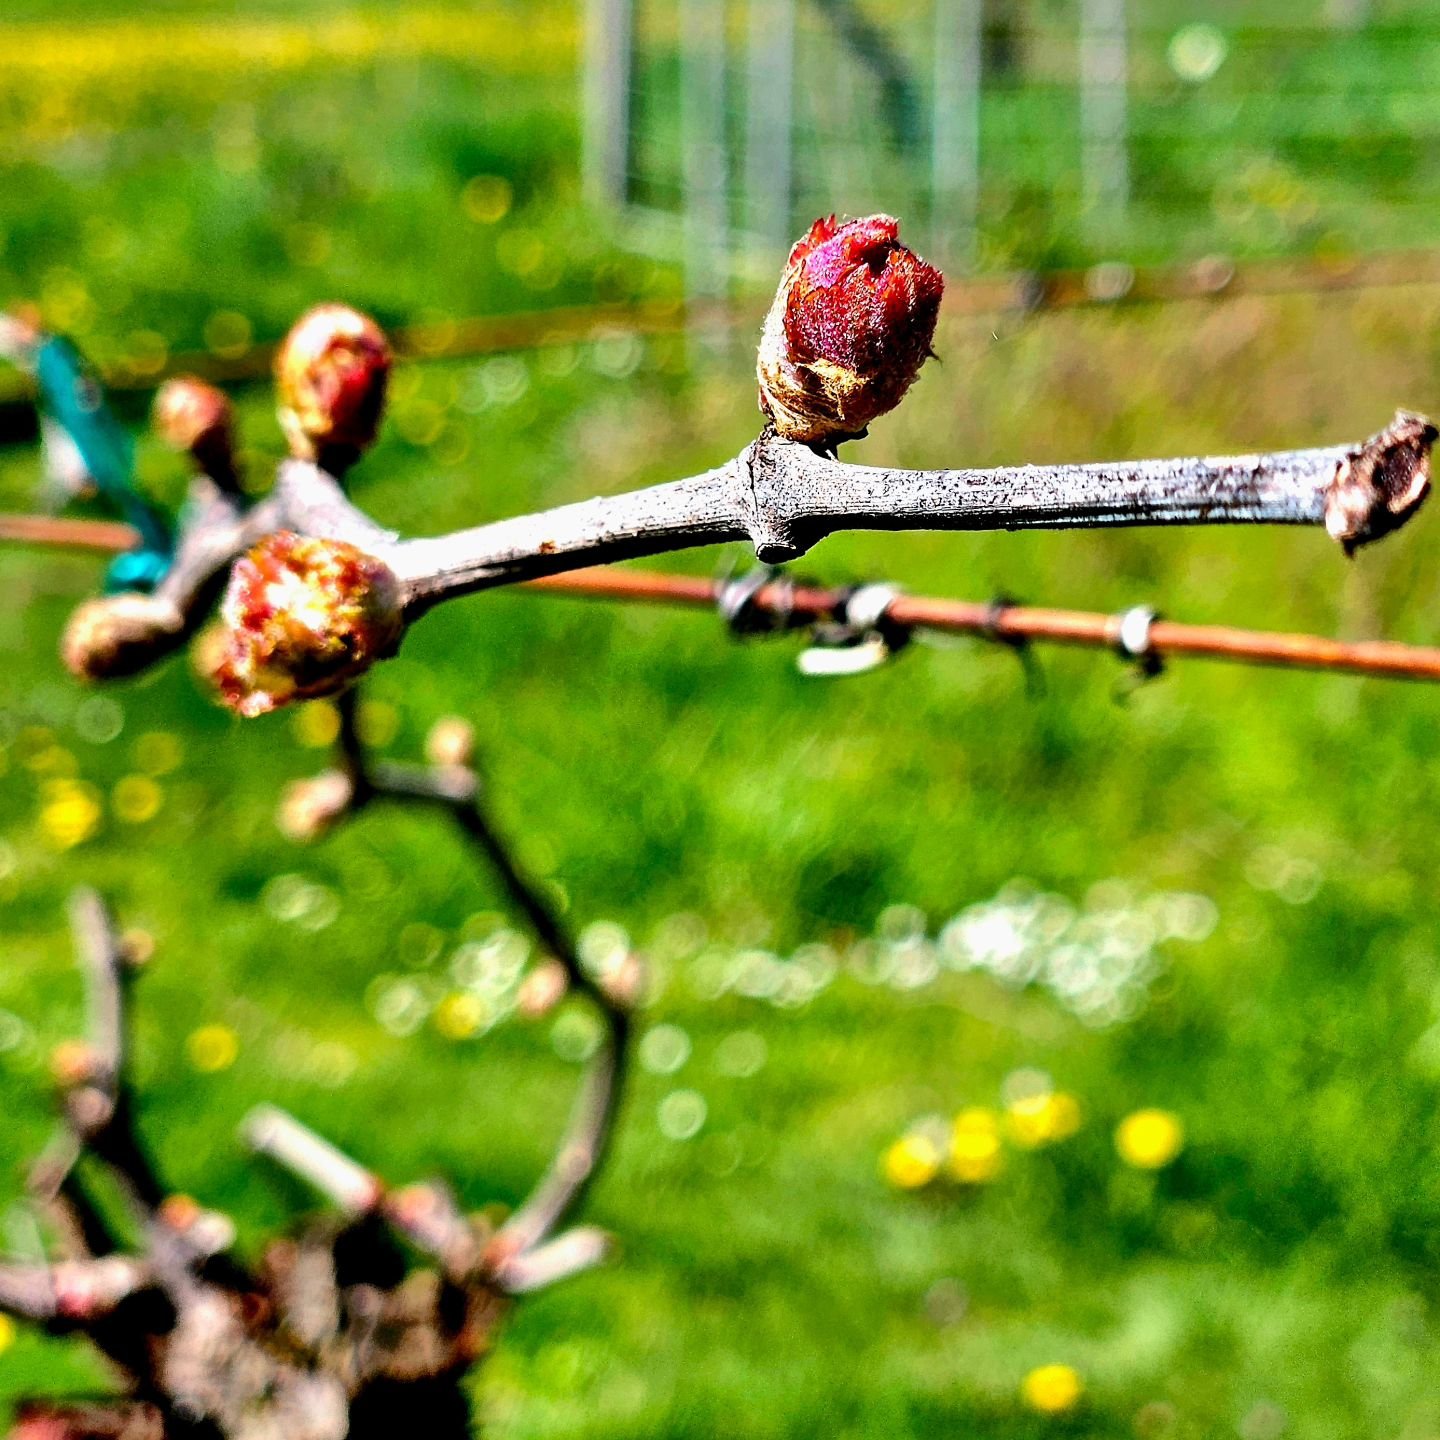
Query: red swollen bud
[(331, 372), (850, 327), (194, 417), (303, 617)]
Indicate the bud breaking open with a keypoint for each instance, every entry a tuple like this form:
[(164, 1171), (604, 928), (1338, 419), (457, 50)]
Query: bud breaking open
[(331, 372), (303, 617), (850, 327), (194, 417)]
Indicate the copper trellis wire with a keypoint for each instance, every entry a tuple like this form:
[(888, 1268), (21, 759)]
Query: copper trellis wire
[(1011, 624)]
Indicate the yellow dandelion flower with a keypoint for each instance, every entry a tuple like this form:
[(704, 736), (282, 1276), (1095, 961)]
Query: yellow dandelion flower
[(911, 1162), (136, 799), (70, 812), (317, 724), (975, 1154), (1027, 1121), (1037, 1120), (978, 1118), (7, 1333), (1065, 1115), (212, 1048), (1150, 1139), (459, 1016), (1052, 1389)]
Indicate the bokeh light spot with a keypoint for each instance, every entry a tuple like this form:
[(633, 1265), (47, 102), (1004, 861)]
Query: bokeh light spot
[(212, 1048), (136, 799), (487, 198), (460, 1016), (158, 752), (681, 1114), (228, 334), (664, 1050), (316, 724)]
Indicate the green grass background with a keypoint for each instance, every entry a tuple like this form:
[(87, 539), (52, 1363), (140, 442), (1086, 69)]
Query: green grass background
[(1279, 1278)]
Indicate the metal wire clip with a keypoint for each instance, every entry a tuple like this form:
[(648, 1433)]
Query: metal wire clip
[(737, 600), (1131, 636), (861, 638)]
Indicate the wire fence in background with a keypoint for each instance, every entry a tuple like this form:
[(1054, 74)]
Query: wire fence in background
[(1014, 134)]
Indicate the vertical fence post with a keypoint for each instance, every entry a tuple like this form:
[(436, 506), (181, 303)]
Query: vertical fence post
[(955, 130), (769, 119), (702, 142), (609, 37), (1104, 120)]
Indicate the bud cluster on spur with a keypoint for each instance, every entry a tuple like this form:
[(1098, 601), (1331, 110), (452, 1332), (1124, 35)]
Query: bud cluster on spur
[(302, 618), (849, 329)]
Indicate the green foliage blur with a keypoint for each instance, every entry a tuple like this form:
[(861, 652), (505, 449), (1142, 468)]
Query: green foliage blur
[(1278, 1276)]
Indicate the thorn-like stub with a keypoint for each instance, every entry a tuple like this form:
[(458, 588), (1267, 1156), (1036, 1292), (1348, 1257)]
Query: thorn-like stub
[(1379, 486)]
